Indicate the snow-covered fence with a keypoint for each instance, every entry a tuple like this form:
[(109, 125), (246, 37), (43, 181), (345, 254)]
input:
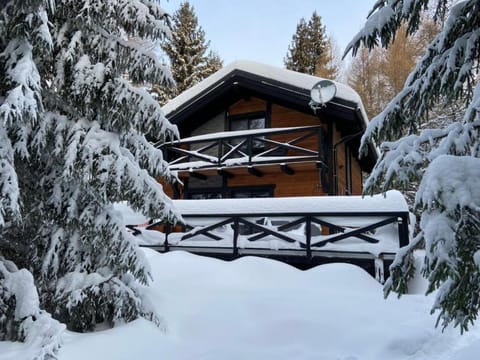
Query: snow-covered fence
[(304, 231)]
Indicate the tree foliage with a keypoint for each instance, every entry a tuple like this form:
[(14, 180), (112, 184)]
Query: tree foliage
[(311, 51), (445, 159), (364, 76), (379, 74), (188, 53), (72, 144)]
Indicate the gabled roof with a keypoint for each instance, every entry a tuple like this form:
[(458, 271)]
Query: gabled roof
[(247, 78)]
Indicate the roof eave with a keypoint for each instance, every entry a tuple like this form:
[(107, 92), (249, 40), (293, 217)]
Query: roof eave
[(298, 97)]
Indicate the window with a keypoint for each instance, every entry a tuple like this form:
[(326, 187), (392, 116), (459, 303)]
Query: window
[(205, 195), (249, 121), (251, 192), (210, 188)]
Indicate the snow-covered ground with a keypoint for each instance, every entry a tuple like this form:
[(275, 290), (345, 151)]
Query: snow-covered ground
[(256, 308)]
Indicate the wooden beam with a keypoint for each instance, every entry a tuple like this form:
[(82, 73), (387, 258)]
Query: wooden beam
[(225, 173), (255, 171), (287, 169), (198, 175)]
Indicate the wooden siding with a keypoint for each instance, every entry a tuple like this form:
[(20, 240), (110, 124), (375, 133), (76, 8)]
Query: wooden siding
[(302, 183), (306, 181), (247, 106), (357, 180), (284, 117), (341, 171)]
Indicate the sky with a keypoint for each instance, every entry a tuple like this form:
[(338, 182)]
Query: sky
[(261, 30)]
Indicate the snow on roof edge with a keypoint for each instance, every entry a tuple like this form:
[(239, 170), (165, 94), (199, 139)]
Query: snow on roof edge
[(293, 78), (391, 201)]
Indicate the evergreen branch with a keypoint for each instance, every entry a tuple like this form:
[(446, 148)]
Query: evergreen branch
[(403, 161)]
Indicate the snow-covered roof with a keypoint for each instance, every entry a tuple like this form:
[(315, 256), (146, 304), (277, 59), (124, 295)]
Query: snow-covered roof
[(392, 201), (288, 77)]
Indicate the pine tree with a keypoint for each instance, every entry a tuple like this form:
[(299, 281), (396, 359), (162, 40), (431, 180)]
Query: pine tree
[(24, 30), (311, 51), (298, 57), (71, 144), (187, 51), (446, 159)]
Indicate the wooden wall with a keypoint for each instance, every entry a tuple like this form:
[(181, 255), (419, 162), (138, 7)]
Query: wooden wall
[(247, 106), (306, 181)]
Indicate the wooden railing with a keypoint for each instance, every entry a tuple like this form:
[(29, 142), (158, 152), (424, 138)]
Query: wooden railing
[(246, 148), (350, 225), (203, 233)]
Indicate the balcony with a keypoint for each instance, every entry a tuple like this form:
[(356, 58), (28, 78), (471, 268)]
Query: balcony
[(251, 149)]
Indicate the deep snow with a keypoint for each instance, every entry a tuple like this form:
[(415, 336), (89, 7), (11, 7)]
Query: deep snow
[(255, 308)]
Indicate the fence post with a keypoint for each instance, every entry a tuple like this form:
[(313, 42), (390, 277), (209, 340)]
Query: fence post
[(403, 230), (308, 235), (220, 152), (166, 247), (236, 232), (250, 149), (379, 269)]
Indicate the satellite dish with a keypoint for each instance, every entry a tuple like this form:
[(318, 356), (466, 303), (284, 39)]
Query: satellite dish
[(323, 91)]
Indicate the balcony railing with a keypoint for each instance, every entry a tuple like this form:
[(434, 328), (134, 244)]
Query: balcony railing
[(247, 148)]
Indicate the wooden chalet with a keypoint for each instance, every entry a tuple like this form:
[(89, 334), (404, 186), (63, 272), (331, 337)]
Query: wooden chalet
[(248, 132)]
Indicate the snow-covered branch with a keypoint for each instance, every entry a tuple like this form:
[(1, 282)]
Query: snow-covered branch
[(445, 160), (26, 321), (404, 160), (72, 142)]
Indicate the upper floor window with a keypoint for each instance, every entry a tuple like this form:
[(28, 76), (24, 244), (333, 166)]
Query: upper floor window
[(250, 121), (241, 122)]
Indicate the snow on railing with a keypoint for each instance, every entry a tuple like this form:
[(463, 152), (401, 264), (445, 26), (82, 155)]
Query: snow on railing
[(246, 147)]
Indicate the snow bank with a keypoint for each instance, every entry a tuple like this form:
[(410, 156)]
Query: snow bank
[(256, 308), (41, 334)]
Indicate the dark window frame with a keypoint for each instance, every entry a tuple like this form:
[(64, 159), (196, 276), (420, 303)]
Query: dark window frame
[(253, 115), (200, 191), (258, 146), (227, 192), (252, 188)]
